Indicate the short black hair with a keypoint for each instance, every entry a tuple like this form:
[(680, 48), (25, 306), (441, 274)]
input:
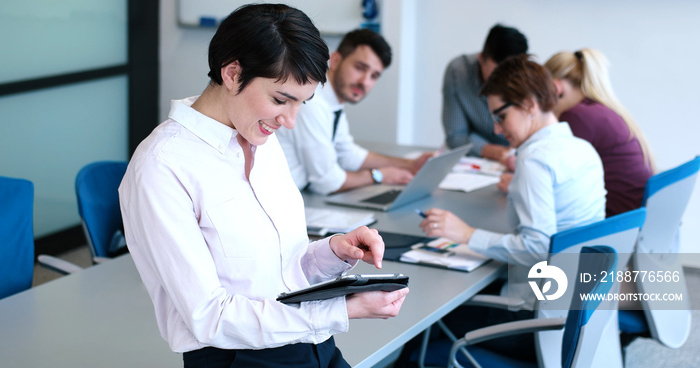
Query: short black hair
[(367, 37), (503, 42), (269, 41)]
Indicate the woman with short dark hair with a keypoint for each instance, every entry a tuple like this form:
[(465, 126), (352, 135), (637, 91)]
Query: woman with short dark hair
[(214, 222)]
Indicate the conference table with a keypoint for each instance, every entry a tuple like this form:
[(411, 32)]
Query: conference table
[(434, 292), (103, 317)]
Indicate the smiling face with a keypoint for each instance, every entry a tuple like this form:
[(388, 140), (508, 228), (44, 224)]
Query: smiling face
[(353, 76), (512, 121), (263, 106)]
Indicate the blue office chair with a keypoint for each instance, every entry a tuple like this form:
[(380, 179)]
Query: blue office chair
[(16, 235), (619, 232), (96, 188), (578, 337), (666, 197), (98, 205)]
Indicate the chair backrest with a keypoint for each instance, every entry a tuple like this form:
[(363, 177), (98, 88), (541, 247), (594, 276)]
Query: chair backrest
[(96, 188), (16, 235), (619, 232), (666, 197), (577, 332)]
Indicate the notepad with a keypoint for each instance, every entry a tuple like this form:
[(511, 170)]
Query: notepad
[(322, 221), (345, 285), (479, 165), (466, 181), (444, 254)]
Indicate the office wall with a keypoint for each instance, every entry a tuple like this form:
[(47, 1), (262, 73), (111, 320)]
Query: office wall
[(650, 44)]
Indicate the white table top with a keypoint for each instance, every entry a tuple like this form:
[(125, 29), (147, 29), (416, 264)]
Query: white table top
[(103, 317), (99, 317)]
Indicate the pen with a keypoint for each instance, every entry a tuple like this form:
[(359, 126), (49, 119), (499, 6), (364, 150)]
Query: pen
[(423, 246), (440, 251), (421, 213), (443, 245)]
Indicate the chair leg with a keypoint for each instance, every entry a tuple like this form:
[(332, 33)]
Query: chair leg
[(454, 339), (426, 341), (424, 347), (446, 330), (461, 346)]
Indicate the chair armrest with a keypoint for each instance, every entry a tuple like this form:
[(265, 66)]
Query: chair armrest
[(495, 301), (513, 328), (500, 330), (58, 265)]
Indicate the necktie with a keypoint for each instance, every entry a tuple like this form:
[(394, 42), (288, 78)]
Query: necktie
[(335, 122)]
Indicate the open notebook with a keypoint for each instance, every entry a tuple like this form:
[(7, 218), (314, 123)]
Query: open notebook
[(445, 254)]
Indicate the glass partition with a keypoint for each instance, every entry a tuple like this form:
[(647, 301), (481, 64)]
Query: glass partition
[(48, 135), (42, 38)]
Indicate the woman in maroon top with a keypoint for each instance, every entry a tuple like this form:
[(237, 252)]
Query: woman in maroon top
[(588, 104)]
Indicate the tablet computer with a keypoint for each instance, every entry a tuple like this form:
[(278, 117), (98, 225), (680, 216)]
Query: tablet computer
[(344, 285)]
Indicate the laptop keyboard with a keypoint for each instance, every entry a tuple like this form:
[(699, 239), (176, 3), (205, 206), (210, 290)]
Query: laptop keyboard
[(384, 198)]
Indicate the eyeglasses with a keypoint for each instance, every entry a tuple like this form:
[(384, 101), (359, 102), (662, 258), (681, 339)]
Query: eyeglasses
[(498, 119)]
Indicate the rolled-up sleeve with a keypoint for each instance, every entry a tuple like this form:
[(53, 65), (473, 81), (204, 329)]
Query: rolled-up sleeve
[(533, 203), (320, 263)]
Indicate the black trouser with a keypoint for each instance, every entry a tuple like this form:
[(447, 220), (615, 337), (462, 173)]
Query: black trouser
[(323, 355)]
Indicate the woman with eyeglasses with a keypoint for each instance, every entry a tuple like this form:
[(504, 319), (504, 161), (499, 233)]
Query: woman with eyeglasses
[(586, 101), (558, 185)]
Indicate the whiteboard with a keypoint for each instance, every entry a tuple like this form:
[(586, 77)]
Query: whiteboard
[(330, 17)]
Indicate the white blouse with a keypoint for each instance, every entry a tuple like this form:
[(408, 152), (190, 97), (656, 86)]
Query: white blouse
[(214, 249)]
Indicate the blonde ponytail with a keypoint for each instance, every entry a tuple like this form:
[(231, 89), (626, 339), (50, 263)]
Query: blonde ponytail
[(588, 70)]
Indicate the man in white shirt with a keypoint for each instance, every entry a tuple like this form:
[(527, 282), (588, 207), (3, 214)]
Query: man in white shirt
[(320, 151)]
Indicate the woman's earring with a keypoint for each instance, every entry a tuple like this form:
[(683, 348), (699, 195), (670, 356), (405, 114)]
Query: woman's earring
[(560, 95)]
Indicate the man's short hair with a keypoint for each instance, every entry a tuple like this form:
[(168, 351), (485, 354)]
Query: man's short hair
[(367, 37), (269, 41), (503, 42)]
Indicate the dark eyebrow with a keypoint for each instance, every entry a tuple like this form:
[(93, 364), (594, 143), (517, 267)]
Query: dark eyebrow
[(288, 96), (312, 96), (367, 66), (363, 63)]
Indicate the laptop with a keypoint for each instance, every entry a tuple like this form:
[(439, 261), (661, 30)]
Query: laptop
[(384, 197)]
